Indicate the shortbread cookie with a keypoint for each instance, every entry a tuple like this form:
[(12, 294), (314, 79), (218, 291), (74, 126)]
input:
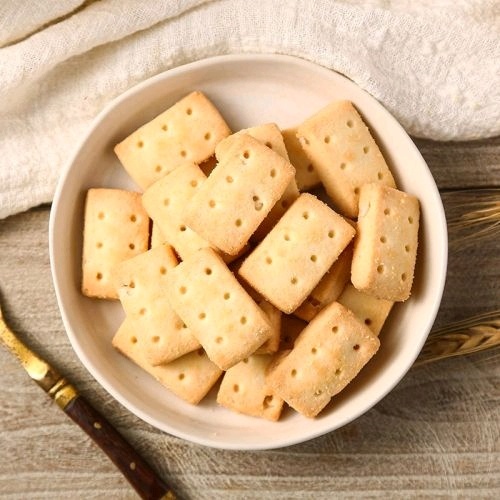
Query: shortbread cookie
[(222, 316), (244, 389), (116, 227), (141, 287), (326, 356), (367, 308), (166, 201), (329, 288), (305, 173), (385, 249), (188, 131), (269, 135), (345, 155), (238, 195), (189, 377), (295, 255)]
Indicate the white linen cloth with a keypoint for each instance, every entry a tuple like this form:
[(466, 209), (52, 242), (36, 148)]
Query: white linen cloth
[(434, 64)]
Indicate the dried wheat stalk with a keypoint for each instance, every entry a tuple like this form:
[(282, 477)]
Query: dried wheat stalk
[(472, 215), (463, 337)]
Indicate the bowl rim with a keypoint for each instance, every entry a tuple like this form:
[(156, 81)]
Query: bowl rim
[(57, 278)]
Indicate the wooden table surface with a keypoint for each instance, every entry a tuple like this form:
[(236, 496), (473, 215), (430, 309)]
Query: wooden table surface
[(435, 435)]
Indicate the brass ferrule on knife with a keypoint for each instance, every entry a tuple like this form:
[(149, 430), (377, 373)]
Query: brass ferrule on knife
[(63, 393), (39, 370)]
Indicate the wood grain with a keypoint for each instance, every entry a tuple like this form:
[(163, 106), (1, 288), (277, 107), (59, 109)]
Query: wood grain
[(436, 435), (133, 467)]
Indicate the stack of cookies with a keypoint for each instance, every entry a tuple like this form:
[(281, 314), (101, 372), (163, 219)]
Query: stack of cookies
[(227, 267)]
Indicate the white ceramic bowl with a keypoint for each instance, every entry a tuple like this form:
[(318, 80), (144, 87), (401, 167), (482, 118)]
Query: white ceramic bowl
[(248, 90)]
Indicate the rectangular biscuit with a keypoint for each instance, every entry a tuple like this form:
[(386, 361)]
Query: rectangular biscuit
[(187, 131), (166, 201), (326, 356), (305, 174), (298, 251), (189, 377), (367, 308), (244, 389), (329, 288), (239, 193), (270, 135), (116, 228), (344, 154), (385, 249), (222, 316), (140, 282)]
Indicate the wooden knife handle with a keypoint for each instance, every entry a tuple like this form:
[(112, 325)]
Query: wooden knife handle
[(139, 474)]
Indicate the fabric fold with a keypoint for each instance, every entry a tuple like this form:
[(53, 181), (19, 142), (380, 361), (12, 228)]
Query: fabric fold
[(435, 69)]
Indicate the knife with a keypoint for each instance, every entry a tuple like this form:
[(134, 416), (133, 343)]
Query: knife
[(138, 473)]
